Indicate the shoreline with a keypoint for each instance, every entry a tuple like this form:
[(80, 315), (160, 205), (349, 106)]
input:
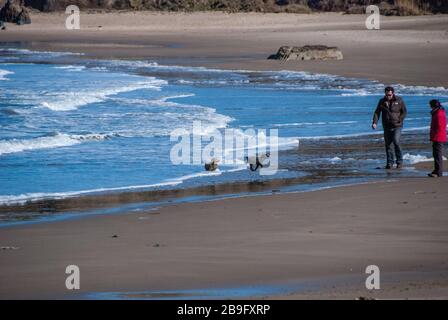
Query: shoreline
[(123, 207), (279, 238), (416, 46), (308, 178)]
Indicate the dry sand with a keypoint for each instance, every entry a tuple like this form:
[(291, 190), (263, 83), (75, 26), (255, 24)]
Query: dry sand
[(316, 237), (408, 50)]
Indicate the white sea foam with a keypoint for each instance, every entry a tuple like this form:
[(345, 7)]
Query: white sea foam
[(47, 142), (210, 119), (413, 159), (71, 68), (419, 118), (132, 63), (340, 136), (196, 175), (303, 75), (162, 115), (178, 96), (31, 52), (66, 101), (421, 90), (32, 197), (358, 93), (300, 124), (401, 89), (157, 66), (335, 160), (351, 135), (262, 143), (285, 79), (4, 73), (181, 81), (218, 172)]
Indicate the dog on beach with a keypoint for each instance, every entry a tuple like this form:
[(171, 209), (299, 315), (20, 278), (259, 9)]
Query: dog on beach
[(258, 161), (212, 165)]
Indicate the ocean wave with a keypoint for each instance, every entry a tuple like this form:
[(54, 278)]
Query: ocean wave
[(4, 73), (341, 136), (300, 75), (360, 134), (209, 118), (335, 160), (300, 124), (202, 174), (282, 79), (358, 93), (10, 111), (71, 68), (33, 52), (262, 143), (67, 101), (420, 90), (182, 179), (55, 140), (332, 160), (419, 118), (133, 64), (413, 159), (401, 89), (32, 197), (177, 96), (138, 64), (161, 117)]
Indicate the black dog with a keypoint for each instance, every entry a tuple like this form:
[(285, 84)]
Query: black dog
[(256, 163)]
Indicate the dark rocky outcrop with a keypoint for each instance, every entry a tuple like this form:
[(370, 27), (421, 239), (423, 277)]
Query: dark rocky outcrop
[(317, 52), (15, 12), (387, 7)]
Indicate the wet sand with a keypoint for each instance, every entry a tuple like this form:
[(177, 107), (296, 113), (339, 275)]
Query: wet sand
[(399, 226)]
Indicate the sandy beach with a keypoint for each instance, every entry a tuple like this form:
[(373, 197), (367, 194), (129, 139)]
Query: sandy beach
[(317, 237), (407, 50), (308, 245)]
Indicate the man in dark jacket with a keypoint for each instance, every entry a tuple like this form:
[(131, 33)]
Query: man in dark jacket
[(393, 111), (437, 135)]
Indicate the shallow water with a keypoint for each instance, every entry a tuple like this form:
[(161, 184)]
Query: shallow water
[(71, 126)]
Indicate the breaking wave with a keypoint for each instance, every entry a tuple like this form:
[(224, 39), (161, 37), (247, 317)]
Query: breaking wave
[(55, 140)]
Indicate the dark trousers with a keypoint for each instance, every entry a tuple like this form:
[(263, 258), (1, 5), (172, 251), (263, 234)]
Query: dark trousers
[(437, 152), (392, 136)]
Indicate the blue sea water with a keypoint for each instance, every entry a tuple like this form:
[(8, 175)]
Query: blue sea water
[(70, 125)]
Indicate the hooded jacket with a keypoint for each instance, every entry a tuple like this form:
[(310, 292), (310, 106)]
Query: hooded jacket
[(438, 125)]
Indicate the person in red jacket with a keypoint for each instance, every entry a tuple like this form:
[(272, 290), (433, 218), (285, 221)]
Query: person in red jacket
[(437, 136)]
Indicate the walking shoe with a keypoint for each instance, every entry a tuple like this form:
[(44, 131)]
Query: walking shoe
[(432, 175), (388, 167), (399, 165)]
